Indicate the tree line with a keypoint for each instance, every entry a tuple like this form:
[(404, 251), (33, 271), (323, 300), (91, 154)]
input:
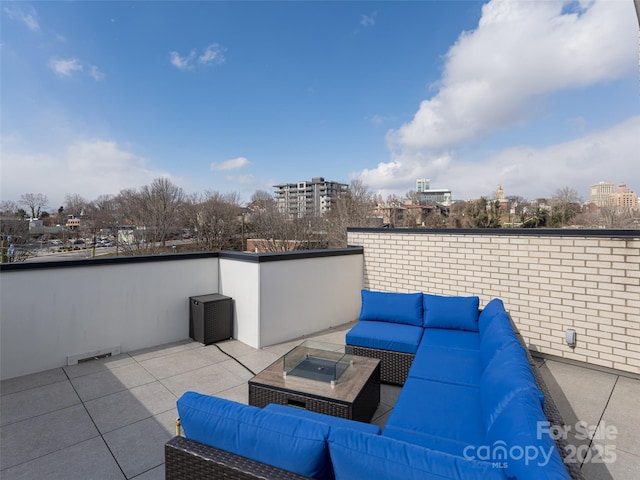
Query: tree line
[(146, 218)]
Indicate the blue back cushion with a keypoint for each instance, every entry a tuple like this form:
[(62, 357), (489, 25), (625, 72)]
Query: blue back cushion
[(392, 307), (508, 374), (333, 422), (498, 334), (459, 313), (493, 307), (520, 438), (283, 441), (359, 456)]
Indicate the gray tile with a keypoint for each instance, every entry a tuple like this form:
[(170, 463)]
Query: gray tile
[(37, 401), (167, 420), (87, 460), (208, 380), (238, 394), (235, 348), (623, 415), (130, 406), (32, 438), (25, 382), (163, 350), (104, 383), (389, 394), (258, 360), (282, 348), (99, 365), (212, 353), (138, 447), (538, 361), (580, 394), (176, 363), (381, 416), (623, 466), (153, 474), (236, 369)]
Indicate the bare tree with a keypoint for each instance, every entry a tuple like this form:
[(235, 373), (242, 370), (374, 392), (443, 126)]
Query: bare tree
[(610, 217), (74, 204), (354, 208), (154, 211), (277, 233), (565, 204), (35, 202), (215, 218)]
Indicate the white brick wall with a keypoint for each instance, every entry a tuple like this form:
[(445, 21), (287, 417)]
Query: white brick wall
[(548, 282)]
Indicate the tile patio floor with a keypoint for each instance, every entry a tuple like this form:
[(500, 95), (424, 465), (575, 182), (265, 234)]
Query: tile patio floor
[(109, 418)]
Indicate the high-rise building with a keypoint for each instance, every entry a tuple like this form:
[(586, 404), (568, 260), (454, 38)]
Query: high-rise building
[(422, 184), (305, 198), (600, 194), (624, 197)]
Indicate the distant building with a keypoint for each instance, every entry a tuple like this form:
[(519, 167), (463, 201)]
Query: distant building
[(500, 193), (624, 197), (600, 194), (436, 195), (422, 184), (304, 198)]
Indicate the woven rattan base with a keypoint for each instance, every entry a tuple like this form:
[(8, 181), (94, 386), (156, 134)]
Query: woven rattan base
[(394, 366)]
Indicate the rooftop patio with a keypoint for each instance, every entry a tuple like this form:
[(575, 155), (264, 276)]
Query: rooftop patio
[(109, 418)]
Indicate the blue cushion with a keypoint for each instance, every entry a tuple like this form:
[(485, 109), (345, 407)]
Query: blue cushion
[(520, 438), (451, 365), (386, 336), (499, 334), (283, 441), (333, 422), (440, 409), (441, 337), (426, 440), (487, 313), (460, 313), (356, 455), (508, 374), (403, 308)]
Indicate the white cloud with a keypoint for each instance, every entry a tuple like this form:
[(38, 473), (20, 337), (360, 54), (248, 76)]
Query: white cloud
[(382, 119), (368, 20), (29, 17), (96, 74), (525, 171), (65, 67), (87, 167), (213, 54), (519, 51), (231, 164), (180, 62)]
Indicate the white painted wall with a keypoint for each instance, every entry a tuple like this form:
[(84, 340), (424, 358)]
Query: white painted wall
[(241, 281), (51, 313), (299, 297)]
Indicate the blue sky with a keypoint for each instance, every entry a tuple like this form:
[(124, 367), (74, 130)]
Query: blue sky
[(97, 97)]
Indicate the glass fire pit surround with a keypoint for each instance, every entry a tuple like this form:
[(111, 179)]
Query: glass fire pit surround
[(321, 361)]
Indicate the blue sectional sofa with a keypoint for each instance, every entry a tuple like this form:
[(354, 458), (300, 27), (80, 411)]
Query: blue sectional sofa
[(470, 407)]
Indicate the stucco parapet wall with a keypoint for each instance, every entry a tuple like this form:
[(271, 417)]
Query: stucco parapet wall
[(172, 257)]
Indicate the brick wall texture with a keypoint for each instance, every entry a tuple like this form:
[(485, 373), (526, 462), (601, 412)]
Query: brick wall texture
[(548, 284)]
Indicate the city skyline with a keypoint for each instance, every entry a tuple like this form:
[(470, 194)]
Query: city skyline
[(239, 96)]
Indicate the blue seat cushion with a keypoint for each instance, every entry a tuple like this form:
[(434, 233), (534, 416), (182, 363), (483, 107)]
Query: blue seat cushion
[(440, 337), (520, 438), (291, 443), (439, 409), (386, 336), (494, 306), (358, 456), (405, 308), (458, 313), (333, 422), (451, 365), (498, 334), (508, 374)]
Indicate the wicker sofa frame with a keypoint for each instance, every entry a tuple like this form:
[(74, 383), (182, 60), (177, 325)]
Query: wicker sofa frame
[(186, 459)]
